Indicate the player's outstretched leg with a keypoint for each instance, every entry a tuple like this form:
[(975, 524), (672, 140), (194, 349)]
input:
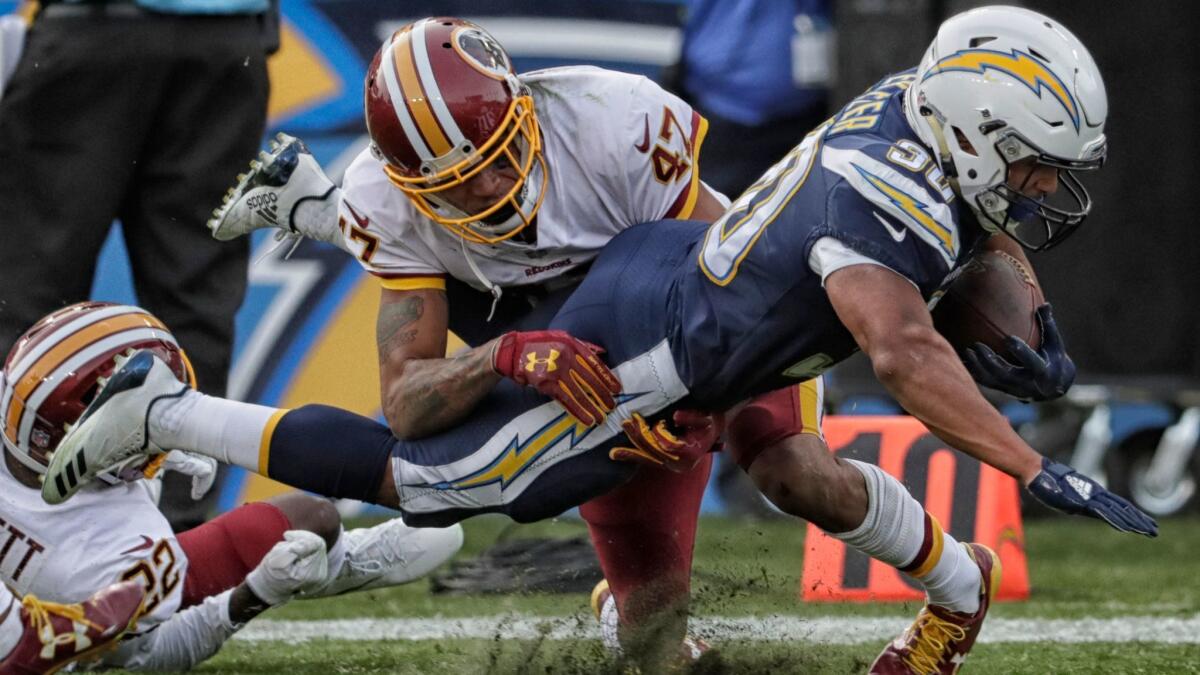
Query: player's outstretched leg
[(644, 533), (143, 408), (279, 185), (390, 554), (235, 542), (872, 512), (42, 637)]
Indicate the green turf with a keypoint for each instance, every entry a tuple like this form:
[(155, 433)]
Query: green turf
[(529, 657), (1078, 569)]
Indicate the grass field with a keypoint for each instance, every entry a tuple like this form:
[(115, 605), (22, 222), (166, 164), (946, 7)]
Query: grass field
[(1102, 602)]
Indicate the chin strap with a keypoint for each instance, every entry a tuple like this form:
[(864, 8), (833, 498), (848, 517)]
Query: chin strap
[(945, 159), (492, 288), (950, 171)]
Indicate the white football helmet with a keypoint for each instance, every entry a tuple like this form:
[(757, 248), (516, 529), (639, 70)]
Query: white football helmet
[(1012, 84)]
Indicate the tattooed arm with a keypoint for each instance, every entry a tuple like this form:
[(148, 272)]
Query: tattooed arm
[(423, 392)]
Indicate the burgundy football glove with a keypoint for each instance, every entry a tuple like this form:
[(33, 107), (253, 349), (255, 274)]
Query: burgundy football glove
[(657, 446), (562, 367)]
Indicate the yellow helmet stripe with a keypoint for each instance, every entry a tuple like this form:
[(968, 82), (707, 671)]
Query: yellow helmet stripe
[(416, 98), (77, 361), (62, 351), (1020, 66), (18, 369), (430, 86), (399, 105)]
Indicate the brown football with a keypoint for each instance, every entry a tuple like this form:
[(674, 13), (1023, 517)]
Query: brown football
[(993, 297)]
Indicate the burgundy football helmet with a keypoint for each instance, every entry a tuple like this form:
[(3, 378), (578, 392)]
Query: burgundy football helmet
[(56, 367), (442, 104)]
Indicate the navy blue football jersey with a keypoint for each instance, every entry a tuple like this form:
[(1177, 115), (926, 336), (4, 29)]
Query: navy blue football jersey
[(750, 314)]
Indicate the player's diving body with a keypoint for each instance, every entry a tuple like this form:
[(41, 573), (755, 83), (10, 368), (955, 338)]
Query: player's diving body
[(840, 246), (612, 150), (201, 585)]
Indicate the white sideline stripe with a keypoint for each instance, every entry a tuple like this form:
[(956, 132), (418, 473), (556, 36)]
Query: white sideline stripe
[(817, 630)]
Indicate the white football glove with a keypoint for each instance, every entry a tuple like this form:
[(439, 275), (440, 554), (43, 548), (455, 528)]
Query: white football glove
[(201, 468), (295, 565)]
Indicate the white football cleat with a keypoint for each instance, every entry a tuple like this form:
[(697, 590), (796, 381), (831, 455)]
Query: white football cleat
[(391, 554), (267, 195), (604, 608), (113, 430)]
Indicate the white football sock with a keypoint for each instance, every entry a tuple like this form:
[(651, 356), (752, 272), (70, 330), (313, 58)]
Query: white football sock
[(894, 532), (11, 627), (337, 554), (318, 218), (955, 581), (609, 623), (228, 431)]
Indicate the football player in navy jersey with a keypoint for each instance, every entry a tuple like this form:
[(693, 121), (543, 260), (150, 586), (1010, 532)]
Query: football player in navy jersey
[(841, 246)]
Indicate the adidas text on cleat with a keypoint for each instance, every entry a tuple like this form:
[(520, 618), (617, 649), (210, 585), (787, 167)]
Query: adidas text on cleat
[(939, 640), (56, 635), (112, 431), (266, 196)]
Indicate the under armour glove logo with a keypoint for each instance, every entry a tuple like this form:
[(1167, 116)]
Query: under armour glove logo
[(561, 367), (532, 361), (1062, 488)]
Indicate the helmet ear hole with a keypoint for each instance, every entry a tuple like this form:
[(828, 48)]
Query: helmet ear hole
[(964, 143)]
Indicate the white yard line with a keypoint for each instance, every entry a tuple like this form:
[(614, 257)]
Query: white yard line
[(815, 630)]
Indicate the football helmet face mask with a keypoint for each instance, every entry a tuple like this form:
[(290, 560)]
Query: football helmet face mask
[(443, 104), (999, 85), (55, 369)]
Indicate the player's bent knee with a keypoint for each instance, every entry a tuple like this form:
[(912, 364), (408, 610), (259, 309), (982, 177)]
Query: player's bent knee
[(802, 478), (314, 514)]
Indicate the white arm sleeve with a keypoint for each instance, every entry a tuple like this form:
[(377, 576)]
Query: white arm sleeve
[(179, 643), (829, 255)]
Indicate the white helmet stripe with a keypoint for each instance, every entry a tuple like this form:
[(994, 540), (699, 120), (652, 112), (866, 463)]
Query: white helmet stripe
[(433, 93), (48, 385), (73, 326), (67, 328), (399, 102)]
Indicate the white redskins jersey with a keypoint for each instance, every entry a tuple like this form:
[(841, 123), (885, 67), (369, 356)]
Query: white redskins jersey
[(619, 149), (100, 536)]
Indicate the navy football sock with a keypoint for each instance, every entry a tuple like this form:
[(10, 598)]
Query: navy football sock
[(331, 452)]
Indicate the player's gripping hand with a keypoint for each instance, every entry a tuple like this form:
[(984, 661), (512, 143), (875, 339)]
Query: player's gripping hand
[(294, 565), (1065, 489), (1039, 375), (201, 468), (657, 446), (562, 367)]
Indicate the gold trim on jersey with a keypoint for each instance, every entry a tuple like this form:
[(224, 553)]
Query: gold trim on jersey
[(694, 183), (413, 283)]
